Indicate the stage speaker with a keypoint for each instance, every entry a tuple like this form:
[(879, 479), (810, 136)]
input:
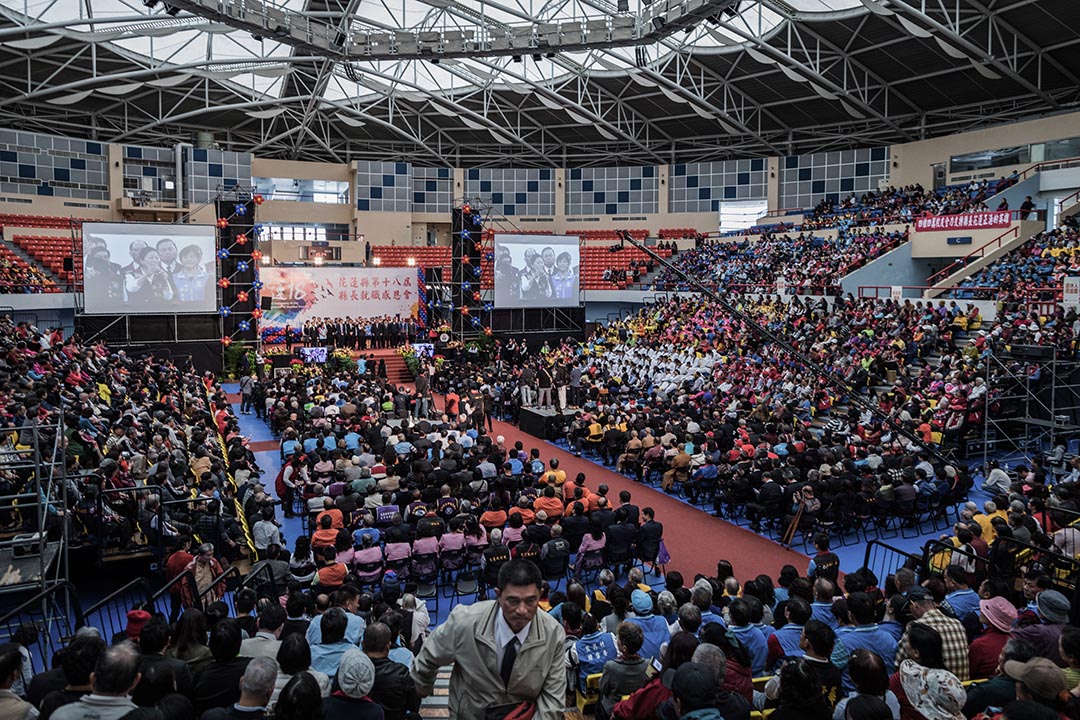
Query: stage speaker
[(198, 327), (1033, 352), (69, 264), (150, 328), (265, 302)]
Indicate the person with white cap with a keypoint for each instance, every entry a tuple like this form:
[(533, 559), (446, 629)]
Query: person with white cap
[(924, 687), (355, 677)]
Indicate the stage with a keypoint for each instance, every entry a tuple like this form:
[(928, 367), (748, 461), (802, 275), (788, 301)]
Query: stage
[(544, 424)]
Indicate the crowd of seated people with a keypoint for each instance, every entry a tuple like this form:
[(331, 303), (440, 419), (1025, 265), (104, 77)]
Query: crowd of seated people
[(19, 278), (138, 434), (893, 205), (808, 264), (966, 638), (1033, 271)]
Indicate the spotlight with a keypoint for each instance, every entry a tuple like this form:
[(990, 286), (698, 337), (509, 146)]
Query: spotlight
[(658, 23), (172, 10), (435, 61), (515, 58), (536, 57), (256, 38), (411, 262), (624, 5), (150, 3)]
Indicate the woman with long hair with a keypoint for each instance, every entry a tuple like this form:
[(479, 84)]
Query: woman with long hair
[(189, 641), (302, 565), (300, 699), (925, 689), (801, 697)]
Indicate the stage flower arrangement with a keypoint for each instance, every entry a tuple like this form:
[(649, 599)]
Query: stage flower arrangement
[(341, 361), (412, 360)]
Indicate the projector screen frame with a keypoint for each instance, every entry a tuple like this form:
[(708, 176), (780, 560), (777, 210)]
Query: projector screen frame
[(505, 300), (203, 235)]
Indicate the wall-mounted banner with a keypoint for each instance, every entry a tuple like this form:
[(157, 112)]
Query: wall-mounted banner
[(966, 221)]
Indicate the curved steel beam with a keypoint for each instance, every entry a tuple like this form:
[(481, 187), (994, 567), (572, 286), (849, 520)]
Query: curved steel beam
[(144, 72), (271, 101)]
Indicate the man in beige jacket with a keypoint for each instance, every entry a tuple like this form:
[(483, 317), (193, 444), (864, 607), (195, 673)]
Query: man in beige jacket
[(504, 652)]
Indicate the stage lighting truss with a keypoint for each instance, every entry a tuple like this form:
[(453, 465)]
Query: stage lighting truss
[(652, 23)]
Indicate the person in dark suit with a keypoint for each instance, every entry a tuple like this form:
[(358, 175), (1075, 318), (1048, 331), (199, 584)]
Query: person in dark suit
[(621, 537), (770, 497), (649, 536), (633, 514), (153, 642), (218, 684)]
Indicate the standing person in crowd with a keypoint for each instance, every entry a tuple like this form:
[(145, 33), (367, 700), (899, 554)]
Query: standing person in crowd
[(522, 660)]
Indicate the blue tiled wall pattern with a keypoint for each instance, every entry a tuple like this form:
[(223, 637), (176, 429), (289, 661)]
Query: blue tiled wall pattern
[(210, 172), (701, 187), (148, 162), (513, 191), (612, 190), (432, 189), (807, 179), (384, 187), (36, 164)]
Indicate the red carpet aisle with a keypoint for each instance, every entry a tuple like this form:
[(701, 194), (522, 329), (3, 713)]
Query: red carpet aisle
[(695, 539)]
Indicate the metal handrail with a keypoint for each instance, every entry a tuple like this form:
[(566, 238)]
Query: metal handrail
[(193, 589), (955, 266), (250, 581), (50, 632), (138, 586)]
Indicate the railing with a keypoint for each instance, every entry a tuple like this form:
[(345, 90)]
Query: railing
[(231, 573), (162, 598), (976, 254), (1067, 202), (44, 623), (109, 615), (884, 560), (262, 582), (1042, 294), (1048, 165)]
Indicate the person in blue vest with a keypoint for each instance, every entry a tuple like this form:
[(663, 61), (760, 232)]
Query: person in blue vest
[(962, 600), (784, 643), (821, 608), (865, 634), (750, 637), (594, 649), (825, 564), (654, 627)]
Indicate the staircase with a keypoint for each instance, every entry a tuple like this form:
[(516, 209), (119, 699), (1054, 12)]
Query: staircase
[(396, 370), (33, 262)]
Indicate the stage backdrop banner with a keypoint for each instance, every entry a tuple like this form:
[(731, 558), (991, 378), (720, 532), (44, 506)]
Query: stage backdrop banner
[(299, 294), (966, 221)]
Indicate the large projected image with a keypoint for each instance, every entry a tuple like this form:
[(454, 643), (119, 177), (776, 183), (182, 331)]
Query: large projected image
[(537, 270), (135, 268)]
